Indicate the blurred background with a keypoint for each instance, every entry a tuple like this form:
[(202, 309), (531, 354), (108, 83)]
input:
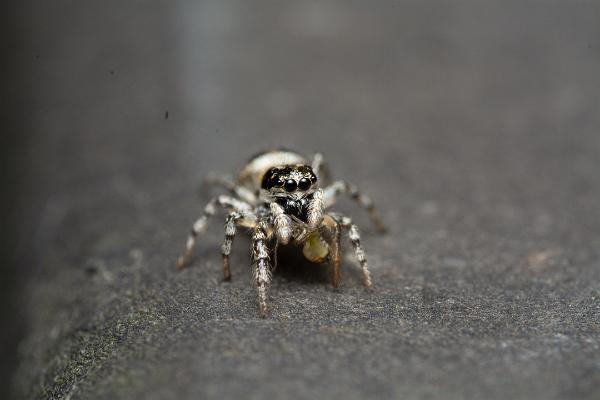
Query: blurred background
[(474, 125)]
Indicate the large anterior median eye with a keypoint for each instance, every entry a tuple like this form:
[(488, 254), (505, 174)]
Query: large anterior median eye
[(304, 184), (290, 185)]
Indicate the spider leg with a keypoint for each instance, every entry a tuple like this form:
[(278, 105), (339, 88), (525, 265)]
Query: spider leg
[(274, 251), (347, 223), (317, 164), (226, 181), (231, 221), (282, 223), (332, 191), (262, 268), (315, 209), (200, 224), (331, 232), (320, 168)]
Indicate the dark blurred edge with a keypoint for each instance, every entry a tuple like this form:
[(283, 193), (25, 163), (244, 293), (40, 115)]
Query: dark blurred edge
[(14, 119)]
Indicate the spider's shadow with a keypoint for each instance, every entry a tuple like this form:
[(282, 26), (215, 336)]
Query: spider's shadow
[(291, 265)]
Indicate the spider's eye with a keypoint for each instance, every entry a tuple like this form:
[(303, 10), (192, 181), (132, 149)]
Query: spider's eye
[(304, 184), (290, 185), (278, 182), (272, 179)]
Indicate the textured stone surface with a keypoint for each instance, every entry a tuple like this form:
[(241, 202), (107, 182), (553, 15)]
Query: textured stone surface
[(474, 127)]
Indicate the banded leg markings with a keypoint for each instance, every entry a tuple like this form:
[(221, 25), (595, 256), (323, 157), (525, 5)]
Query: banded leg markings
[(230, 230), (354, 236), (199, 225), (339, 187), (262, 269)]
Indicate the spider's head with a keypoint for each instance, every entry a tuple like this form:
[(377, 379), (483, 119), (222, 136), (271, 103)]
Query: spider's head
[(284, 180)]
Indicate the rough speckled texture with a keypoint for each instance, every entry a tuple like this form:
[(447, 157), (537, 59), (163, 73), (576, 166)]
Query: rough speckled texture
[(474, 127)]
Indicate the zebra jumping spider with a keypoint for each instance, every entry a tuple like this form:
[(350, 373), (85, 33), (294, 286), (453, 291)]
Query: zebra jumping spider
[(277, 195)]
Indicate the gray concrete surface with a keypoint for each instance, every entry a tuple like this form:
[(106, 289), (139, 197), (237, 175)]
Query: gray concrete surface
[(474, 127)]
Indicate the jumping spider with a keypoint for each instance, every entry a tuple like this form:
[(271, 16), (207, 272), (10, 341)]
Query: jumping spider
[(277, 196)]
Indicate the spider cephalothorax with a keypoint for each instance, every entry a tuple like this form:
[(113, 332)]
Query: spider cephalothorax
[(292, 187), (278, 196)]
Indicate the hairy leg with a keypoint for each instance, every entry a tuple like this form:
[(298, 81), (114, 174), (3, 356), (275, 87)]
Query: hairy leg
[(314, 217), (262, 268), (354, 235), (331, 232), (230, 227), (320, 168), (200, 224), (282, 223), (317, 164), (315, 209), (229, 183), (335, 189)]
